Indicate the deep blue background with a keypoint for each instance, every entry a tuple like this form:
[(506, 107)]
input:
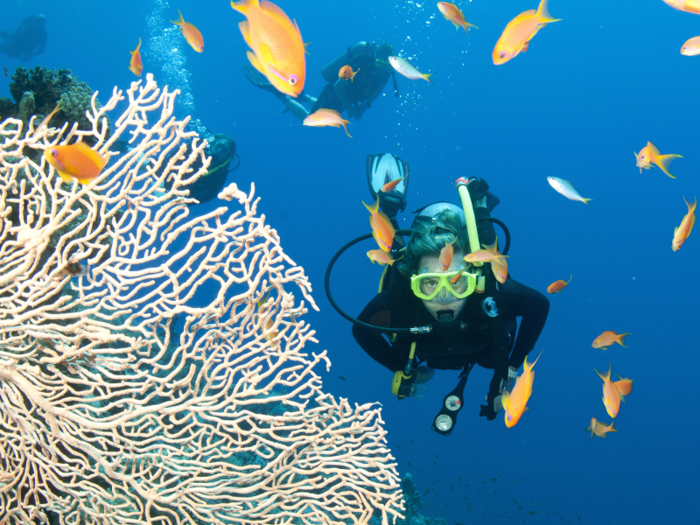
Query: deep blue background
[(592, 89)]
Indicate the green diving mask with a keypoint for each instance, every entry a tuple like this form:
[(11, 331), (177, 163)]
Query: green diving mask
[(426, 286)]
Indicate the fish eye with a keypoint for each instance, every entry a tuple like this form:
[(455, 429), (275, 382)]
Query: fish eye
[(510, 418), (54, 153), (503, 54), (293, 80)]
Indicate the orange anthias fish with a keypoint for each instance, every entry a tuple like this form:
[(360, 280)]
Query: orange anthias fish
[(499, 267), (346, 73), (191, 34), (278, 50), (558, 286), (390, 185), (515, 402), (327, 117), (135, 64), (600, 429), (682, 232), (484, 256), (651, 155), (75, 162), (691, 47), (519, 31), (382, 229), (689, 6), (46, 120), (381, 257), (608, 338), (454, 14), (446, 255), (614, 392)]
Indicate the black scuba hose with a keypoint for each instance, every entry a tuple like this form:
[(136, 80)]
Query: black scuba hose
[(327, 279)]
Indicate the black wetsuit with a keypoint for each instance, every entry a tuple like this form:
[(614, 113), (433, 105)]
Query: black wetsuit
[(486, 341)]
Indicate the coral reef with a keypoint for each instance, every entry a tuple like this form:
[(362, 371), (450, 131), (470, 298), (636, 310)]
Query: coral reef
[(38, 91), (412, 503)]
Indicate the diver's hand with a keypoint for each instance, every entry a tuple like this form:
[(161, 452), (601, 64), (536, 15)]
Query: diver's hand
[(497, 405), (424, 374)]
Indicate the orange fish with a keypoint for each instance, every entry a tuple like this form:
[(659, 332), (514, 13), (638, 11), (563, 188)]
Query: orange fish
[(608, 338), (558, 286), (689, 6), (446, 255), (614, 392), (515, 402), (278, 50), (454, 14), (681, 233), (651, 155), (327, 117), (135, 64), (691, 47), (382, 229), (380, 257), (390, 185), (346, 73), (600, 429), (484, 256), (519, 31), (46, 120), (499, 267), (191, 34), (75, 162)]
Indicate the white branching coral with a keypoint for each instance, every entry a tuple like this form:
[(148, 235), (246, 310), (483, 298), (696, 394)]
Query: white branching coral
[(165, 381)]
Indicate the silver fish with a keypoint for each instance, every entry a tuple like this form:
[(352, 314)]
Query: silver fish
[(565, 188), (404, 67)]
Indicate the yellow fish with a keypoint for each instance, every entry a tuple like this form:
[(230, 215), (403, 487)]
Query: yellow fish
[(519, 31), (614, 392), (278, 50), (327, 117), (382, 229), (689, 6), (381, 257), (691, 47), (600, 429), (499, 267), (682, 232), (192, 35), (46, 120), (650, 154), (75, 162), (454, 14), (515, 402), (135, 64)]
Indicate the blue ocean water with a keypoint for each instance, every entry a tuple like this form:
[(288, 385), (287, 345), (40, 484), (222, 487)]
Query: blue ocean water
[(592, 89)]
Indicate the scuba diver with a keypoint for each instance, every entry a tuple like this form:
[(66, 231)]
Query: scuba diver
[(426, 317), (27, 41), (371, 63), (222, 150)]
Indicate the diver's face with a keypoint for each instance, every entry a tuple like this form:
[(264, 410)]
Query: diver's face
[(444, 300)]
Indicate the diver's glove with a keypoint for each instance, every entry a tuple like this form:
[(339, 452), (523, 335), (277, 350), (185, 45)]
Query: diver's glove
[(480, 194)]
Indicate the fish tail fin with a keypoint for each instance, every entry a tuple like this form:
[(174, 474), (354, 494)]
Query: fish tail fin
[(467, 25), (587, 200), (132, 52), (621, 339), (543, 13), (571, 276), (345, 127), (691, 208), (664, 162), (612, 428), (531, 366), (427, 76), (180, 22), (243, 6), (604, 377), (373, 208)]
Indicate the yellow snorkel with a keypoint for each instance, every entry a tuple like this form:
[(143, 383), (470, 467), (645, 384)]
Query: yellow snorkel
[(472, 232)]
